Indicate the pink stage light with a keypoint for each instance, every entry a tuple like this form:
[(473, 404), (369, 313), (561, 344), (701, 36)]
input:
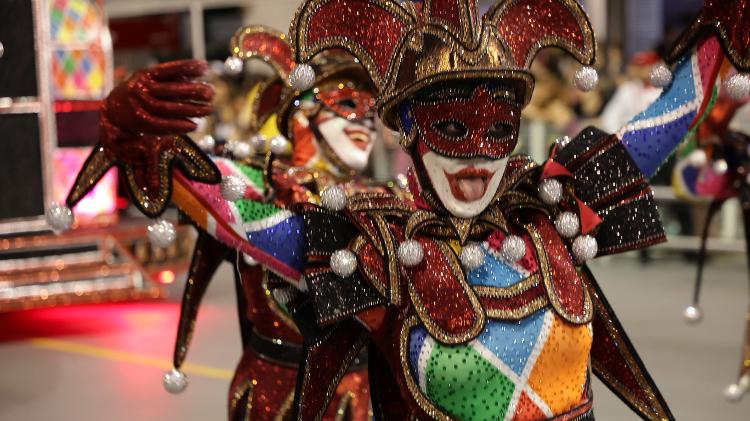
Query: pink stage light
[(102, 200)]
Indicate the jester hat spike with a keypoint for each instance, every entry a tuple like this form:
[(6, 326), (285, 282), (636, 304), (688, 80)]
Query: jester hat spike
[(271, 46), (405, 47)]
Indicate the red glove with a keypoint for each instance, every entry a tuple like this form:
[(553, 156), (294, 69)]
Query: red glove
[(159, 100), (143, 122)]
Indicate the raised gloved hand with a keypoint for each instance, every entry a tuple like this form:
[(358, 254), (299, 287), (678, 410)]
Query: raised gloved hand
[(159, 100), (143, 123)]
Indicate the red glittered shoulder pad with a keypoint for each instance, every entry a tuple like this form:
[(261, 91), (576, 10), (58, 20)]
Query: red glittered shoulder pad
[(441, 296), (334, 297), (565, 288), (604, 177)]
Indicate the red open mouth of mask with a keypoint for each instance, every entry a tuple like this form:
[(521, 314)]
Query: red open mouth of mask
[(483, 125)]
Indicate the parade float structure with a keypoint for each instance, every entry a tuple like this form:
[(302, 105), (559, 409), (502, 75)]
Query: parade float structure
[(55, 66)]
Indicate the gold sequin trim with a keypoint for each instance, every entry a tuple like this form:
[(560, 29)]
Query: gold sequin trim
[(554, 298)]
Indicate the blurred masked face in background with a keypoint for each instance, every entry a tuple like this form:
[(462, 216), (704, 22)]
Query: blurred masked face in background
[(344, 123)]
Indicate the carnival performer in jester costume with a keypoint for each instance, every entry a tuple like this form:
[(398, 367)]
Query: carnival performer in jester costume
[(475, 297), (714, 166), (238, 201)]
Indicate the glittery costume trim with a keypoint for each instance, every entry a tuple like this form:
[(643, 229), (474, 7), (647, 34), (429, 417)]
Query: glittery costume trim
[(745, 357), (208, 254), (551, 272), (728, 20), (285, 412), (179, 150), (515, 302), (507, 292), (419, 290), (390, 250), (271, 302), (615, 361), (243, 393), (607, 179), (345, 342), (344, 408), (266, 44), (509, 16)]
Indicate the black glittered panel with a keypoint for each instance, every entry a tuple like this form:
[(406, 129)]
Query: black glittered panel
[(326, 232), (336, 298), (21, 164), (629, 225), (18, 67), (581, 147), (607, 176)]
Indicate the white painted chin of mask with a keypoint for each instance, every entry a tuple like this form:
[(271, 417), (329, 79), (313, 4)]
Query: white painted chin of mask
[(464, 186), (351, 142)]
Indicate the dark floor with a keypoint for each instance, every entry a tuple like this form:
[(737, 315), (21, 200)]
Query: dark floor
[(105, 362)]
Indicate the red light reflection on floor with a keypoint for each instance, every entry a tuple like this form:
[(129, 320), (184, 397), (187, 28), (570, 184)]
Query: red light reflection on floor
[(88, 319)]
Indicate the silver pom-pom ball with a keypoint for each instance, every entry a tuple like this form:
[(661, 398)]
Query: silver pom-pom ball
[(175, 381), (207, 143), (402, 180), (513, 249), (233, 65), (162, 233), (734, 392), (249, 260), (241, 150), (567, 224), (562, 141), (333, 198), (720, 166), (59, 216), (692, 314), (738, 86), (285, 294), (585, 248), (698, 158), (343, 263), (278, 145), (661, 76), (302, 77), (258, 142), (233, 188), (586, 79), (550, 191), (2, 50), (410, 253), (472, 256)]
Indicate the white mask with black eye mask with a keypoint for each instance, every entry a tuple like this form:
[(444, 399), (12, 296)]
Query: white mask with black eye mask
[(352, 142), (464, 186)]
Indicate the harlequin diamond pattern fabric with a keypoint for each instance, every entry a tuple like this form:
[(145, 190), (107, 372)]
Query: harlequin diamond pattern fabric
[(530, 369), (249, 225)]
